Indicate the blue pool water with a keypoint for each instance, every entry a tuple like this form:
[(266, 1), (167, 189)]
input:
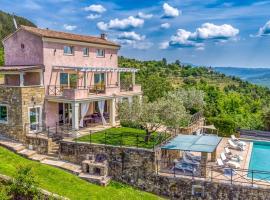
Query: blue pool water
[(260, 160)]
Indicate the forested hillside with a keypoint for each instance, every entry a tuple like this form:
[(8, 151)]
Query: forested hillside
[(7, 27), (230, 102)]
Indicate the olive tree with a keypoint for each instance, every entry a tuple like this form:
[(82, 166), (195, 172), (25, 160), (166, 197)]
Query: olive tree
[(165, 112)]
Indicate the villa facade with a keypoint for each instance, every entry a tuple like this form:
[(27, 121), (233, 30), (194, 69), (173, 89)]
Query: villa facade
[(53, 77)]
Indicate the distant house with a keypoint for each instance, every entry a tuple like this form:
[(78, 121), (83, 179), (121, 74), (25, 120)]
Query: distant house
[(53, 78)]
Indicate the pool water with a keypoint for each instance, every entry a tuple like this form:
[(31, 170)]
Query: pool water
[(260, 160)]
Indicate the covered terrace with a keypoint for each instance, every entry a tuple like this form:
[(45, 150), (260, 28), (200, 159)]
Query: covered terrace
[(176, 153)]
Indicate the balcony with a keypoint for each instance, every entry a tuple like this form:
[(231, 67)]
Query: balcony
[(86, 92)]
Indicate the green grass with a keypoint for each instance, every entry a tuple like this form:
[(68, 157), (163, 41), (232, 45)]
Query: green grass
[(123, 136), (63, 183)]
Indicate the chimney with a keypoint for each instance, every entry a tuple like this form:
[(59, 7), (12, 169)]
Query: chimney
[(103, 36), (14, 22)]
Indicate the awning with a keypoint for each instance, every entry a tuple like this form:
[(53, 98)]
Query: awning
[(20, 68), (97, 69), (195, 143)]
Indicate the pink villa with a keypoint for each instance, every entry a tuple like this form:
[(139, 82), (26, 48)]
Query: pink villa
[(55, 78)]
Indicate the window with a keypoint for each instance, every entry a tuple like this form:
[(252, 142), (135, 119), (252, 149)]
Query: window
[(3, 113), (68, 50), (100, 53), (63, 78), (85, 51), (68, 80)]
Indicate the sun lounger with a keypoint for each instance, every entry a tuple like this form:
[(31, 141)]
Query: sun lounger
[(185, 167), (236, 140), (189, 161), (192, 157), (234, 145), (231, 156), (223, 165), (226, 171), (228, 162)]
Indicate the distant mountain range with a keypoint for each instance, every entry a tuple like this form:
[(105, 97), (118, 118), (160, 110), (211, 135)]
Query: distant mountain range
[(259, 76)]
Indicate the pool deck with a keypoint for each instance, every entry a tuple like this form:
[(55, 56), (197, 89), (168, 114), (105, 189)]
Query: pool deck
[(240, 177)]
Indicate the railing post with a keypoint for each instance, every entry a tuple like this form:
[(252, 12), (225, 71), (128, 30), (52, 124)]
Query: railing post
[(90, 137), (252, 178), (157, 166), (121, 139), (137, 140), (105, 137), (48, 133), (174, 169), (211, 173), (56, 124), (231, 175)]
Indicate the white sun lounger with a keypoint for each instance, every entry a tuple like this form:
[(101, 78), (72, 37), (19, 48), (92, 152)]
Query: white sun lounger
[(228, 161), (236, 140), (231, 156), (223, 167), (234, 145)]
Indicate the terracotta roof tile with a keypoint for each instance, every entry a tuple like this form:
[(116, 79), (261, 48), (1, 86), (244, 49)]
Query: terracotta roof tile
[(68, 36)]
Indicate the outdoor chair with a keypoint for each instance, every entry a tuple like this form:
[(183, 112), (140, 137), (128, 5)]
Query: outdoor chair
[(236, 146), (228, 162), (185, 167), (229, 154), (227, 171), (189, 161), (192, 157), (236, 140)]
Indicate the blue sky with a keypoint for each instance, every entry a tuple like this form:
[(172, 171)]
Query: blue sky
[(212, 33)]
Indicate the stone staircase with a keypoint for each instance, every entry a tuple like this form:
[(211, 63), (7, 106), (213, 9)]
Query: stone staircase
[(53, 152), (50, 159)]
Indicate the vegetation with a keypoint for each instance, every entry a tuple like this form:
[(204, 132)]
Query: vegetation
[(123, 136), (63, 183), (171, 111), (230, 102)]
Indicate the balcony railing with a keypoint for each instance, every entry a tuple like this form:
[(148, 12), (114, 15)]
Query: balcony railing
[(126, 86)]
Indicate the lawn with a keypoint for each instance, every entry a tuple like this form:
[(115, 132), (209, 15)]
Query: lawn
[(63, 183), (123, 136)]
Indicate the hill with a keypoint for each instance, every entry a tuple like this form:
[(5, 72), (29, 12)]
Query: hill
[(231, 103), (259, 76), (7, 27)]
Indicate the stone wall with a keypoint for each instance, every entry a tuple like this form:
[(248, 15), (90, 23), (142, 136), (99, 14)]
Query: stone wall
[(136, 167), (123, 161), (39, 143), (18, 101)]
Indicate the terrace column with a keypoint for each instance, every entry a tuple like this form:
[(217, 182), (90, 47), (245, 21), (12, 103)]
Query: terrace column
[(105, 79), (214, 155), (203, 164), (41, 79), (75, 115), (84, 79), (112, 112), (21, 79)]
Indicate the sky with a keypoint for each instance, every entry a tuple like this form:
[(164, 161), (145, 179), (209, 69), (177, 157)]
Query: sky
[(200, 32)]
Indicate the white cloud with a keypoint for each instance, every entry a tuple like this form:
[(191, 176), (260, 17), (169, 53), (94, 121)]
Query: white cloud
[(164, 45), (165, 25), (95, 8), (208, 31), (131, 36), (144, 16), (69, 27), (93, 16), (170, 11), (142, 45), (265, 30), (123, 24)]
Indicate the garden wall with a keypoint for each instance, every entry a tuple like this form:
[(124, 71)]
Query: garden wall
[(123, 161), (136, 167), (39, 143)]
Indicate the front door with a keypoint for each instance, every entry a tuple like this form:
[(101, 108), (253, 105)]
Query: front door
[(35, 119)]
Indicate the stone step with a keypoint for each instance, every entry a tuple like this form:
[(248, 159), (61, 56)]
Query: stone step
[(26, 152), (100, 180), (38, 157), (76, 169)]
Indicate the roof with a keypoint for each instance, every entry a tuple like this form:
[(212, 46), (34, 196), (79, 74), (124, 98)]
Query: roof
[(20, 68), (66, 36), (195, 143)]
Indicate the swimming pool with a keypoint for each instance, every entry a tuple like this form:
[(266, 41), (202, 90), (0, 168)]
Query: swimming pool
[(260, 160)]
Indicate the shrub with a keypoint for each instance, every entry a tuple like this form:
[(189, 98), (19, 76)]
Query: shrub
[(130, 124), (225, 126)]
